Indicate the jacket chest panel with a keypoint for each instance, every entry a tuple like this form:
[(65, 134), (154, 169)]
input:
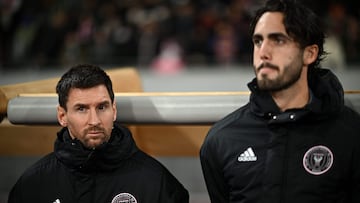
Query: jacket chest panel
[(279, 165)]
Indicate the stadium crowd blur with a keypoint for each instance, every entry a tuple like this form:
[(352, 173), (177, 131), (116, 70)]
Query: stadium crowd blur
[(48, 33)]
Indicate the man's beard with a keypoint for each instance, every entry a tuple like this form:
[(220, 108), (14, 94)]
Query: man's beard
[(290, 76), (88, 142)]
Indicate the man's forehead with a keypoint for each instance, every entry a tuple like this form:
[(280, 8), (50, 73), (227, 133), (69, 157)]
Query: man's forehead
[(88, 95), (270, 22)]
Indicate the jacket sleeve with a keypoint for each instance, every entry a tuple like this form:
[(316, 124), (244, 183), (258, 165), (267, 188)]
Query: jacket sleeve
[(353, 184), (172, 190), (15, 194), (212, 171), (355, 178)]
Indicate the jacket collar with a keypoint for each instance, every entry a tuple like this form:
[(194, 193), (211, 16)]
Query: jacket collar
[(106, 157), (327, 95)]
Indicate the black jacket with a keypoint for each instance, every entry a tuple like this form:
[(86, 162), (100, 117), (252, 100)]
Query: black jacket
[(259, 154), (114, 172)]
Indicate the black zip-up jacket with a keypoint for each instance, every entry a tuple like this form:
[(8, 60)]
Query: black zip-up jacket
[(258, 154), (117, 171)]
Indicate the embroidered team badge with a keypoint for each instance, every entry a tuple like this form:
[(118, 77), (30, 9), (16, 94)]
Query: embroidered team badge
[(124, 198), (318, 159)]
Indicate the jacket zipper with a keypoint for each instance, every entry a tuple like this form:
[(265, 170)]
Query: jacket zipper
[(285, 169)]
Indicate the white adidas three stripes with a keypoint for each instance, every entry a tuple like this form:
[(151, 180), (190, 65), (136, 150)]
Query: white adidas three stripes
[(247, 155)]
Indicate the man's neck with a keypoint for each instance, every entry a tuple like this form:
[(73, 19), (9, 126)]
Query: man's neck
[(296, 96)]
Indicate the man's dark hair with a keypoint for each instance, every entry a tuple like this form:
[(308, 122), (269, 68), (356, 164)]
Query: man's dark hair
[(301, 23), (82, 76)]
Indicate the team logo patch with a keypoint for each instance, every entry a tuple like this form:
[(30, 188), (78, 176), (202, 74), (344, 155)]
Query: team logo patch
[(124, 198), (317, 160)]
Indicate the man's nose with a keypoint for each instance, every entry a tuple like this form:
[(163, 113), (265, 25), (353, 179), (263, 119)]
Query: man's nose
[(265, 50), (94, 117)]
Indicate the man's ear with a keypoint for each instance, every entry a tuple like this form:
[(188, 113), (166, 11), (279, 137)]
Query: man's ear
[(311, 52), (61, 116), (115, 111)]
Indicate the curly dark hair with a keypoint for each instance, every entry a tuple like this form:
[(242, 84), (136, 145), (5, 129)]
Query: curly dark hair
[(82, 76), (300, 22)]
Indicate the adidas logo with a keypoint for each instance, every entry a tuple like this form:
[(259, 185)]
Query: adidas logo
[(57, 201), (247, 155)]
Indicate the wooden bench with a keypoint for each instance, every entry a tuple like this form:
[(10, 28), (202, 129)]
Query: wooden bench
[(38, 139), (163, 123)]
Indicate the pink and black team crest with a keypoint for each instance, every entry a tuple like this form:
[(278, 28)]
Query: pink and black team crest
[(317, 160), (124, 198)]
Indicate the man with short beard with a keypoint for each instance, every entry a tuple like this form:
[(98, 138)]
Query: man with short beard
[(95, 159), (295, 141)]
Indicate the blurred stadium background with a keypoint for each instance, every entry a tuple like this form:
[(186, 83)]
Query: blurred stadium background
[(177, 45)]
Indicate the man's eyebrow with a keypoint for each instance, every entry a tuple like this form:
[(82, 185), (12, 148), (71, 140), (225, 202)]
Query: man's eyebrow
[(257, 36), (272, 35), (80, 105), (278, 35), (105, 102)]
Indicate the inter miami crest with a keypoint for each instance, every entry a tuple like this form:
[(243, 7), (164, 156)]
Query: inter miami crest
[(124, 198), (317, 160)]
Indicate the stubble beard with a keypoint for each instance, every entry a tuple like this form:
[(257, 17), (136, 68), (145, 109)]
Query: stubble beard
[(91, 143), (290, 76)]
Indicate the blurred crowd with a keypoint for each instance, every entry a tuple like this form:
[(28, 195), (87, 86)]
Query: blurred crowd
[(143, 33)]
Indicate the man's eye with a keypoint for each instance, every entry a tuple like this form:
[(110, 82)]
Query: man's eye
[(257, 42), (102, 107), (280, 41), (80, 109)]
